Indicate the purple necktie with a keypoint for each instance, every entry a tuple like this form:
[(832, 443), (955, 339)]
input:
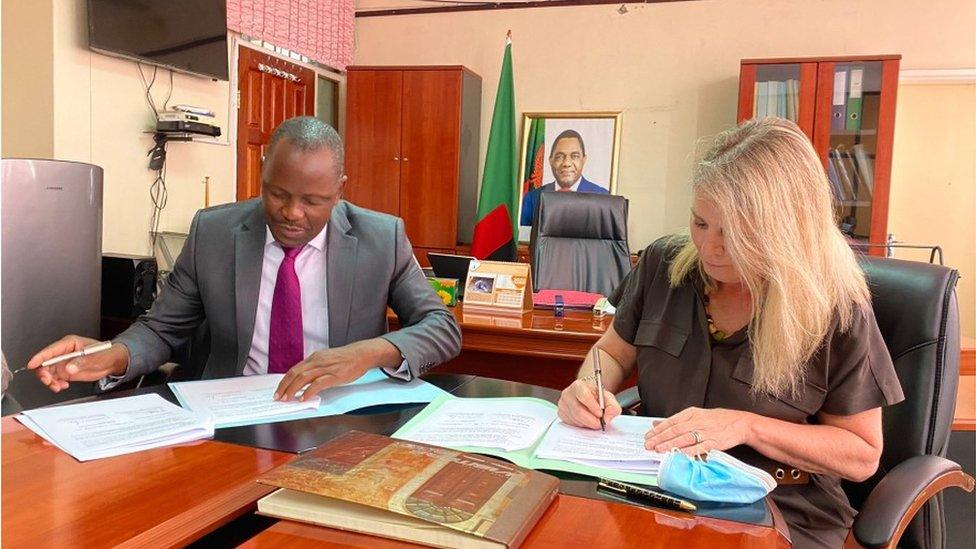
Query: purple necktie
[(286, 344)]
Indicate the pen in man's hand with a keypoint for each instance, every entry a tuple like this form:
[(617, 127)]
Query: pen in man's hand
[(599, 388), (89, 350)]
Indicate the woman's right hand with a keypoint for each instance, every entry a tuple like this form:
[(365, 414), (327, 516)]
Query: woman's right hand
[(579, 405)]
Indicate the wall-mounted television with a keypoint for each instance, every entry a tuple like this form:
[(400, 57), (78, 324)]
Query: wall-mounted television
[(185, 35)]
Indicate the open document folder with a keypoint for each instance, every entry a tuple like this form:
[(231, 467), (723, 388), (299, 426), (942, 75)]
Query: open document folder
[(249, 400), (526, 432), (116, 426)]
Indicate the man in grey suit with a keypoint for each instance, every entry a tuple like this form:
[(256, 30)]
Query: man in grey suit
[(297, 281)]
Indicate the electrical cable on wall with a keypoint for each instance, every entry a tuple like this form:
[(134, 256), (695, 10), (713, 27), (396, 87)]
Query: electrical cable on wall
[(157, 190), (158, 194), (148, 87)]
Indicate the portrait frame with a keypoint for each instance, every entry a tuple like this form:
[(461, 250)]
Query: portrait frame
[(599, 130)]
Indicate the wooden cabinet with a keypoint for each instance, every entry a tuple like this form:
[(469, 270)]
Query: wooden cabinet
[(412, 138), (846, 105)]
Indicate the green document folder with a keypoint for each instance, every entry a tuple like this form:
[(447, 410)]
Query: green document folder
[(526, 456), (854, 99)]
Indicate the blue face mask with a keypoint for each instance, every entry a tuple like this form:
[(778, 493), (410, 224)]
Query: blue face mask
[(719, 478)]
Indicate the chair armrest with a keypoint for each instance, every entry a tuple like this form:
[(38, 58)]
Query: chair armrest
[(629, 400), (900, 494)]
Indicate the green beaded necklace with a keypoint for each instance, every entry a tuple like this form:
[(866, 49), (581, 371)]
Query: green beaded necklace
[(716, 334)]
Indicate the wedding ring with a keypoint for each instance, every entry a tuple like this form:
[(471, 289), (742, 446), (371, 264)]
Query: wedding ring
[(697, 435)]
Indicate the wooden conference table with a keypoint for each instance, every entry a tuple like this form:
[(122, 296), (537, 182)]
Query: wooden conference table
[(206, 492)]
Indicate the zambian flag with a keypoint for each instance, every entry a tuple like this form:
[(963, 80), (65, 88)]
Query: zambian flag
[(535, 153), (496, 232)]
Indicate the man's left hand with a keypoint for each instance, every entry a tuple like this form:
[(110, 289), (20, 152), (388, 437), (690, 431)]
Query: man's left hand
[(332, 367), (716, 428)]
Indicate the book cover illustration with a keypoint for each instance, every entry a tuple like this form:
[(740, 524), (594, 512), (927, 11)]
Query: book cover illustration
[(465, 492)]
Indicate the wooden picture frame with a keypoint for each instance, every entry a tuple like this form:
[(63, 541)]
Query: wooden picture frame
[(585, 160)]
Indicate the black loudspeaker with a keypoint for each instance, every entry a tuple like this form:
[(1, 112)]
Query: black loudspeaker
[(128, 284)]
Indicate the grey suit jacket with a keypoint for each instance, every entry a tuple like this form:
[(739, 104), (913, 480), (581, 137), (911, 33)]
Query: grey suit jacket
[(218, 274)]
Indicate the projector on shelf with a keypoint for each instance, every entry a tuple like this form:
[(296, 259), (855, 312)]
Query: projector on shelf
[(185, 126)]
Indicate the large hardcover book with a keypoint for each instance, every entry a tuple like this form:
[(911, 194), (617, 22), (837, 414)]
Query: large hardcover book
[(410, 491)]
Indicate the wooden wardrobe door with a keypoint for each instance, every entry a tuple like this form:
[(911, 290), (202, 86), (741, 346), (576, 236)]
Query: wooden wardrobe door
[(430, 140), (373, 139)]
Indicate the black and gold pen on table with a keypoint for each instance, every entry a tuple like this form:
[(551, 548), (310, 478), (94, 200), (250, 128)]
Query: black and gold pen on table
[(599, 388), (638, 493)]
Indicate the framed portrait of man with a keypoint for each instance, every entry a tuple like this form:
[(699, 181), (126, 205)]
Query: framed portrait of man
[(566, 152)]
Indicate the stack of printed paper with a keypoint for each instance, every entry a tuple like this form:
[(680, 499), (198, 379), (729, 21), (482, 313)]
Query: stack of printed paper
[(116, 426), (249, 400), (526, 432), (238, 400)]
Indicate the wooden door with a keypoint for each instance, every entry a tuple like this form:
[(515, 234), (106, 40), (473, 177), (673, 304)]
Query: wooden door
[(271, 90), (373, 102), (431, 134)]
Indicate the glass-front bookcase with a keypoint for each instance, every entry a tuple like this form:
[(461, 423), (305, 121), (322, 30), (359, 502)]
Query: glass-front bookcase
[(846, 105)]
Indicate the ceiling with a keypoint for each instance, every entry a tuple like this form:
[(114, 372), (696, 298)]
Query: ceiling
[(363, 6)]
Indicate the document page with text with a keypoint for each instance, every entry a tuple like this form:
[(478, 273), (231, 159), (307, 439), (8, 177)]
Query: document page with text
[(116, 426), (238, 398), (526, 431), (508, 424)]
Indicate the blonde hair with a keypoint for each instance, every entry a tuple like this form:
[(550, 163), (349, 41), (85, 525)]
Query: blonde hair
[(780, 233)]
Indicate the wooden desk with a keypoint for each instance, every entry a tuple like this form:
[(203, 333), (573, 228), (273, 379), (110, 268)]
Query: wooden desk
[(537, 333), (535, 348), (967, 357), (965, 417), (176, 495), (157, 498), (569, 522)]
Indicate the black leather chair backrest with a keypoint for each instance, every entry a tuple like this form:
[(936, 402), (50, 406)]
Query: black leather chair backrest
[(917, 312), (579, 242)]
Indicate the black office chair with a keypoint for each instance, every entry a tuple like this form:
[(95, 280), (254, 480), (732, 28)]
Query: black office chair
[(579, 242), (917, 312)]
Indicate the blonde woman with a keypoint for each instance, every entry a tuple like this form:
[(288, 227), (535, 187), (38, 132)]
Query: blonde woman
[(757, 333)]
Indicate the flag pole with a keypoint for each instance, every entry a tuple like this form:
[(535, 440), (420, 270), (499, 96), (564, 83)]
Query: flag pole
[(496, 229)]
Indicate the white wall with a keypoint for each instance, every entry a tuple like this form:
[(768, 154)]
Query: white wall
[(673, 69), (27, 79), (100, 115), (933, 181)]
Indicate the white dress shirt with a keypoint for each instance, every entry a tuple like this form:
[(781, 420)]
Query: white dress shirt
[(311, 268)]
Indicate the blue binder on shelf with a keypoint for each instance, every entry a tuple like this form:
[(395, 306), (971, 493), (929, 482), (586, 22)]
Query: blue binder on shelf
[(838, 111)]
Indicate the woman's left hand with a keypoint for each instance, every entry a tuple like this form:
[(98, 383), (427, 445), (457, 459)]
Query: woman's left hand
[(695, 431)]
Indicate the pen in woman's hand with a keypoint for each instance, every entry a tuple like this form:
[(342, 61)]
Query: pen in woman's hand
[(599, 388)]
